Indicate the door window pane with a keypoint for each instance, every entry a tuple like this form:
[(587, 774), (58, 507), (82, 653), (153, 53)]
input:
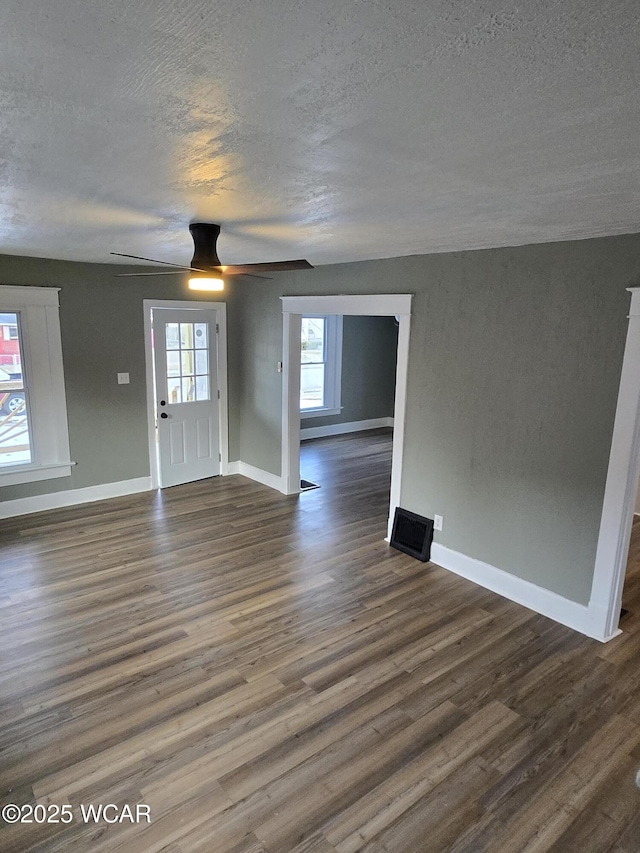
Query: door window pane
[(187, 362), (173, 338), (188, 389), (173, 364), (174, 391), (202, 387), (15, 440), (202, 362), (201, 336), (186, 335)]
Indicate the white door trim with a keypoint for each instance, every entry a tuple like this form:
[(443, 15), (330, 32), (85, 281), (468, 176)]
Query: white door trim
[(223, 403), (378, 305), (620, 490)]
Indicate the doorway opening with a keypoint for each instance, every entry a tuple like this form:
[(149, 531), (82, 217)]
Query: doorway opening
[(377, 305), (186, 379), (347, 389)]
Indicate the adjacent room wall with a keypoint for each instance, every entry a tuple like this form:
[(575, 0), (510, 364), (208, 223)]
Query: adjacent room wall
[(514, 368), (101, 321), (369, 349)]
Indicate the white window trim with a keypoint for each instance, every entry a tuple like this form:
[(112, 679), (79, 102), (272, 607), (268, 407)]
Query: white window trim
[(333, 368), (40, 327)]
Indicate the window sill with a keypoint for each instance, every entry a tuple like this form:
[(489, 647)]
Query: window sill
[(319, 413), (32, 473)]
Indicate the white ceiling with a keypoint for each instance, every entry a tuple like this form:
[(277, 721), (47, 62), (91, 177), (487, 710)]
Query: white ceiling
[(329, 129)]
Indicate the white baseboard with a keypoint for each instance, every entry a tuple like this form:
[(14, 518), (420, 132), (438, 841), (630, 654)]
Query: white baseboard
[(536, 598), (71, 497), (342, 429), (265, 477)]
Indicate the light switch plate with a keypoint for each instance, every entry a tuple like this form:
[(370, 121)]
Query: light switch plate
[(123, 379)]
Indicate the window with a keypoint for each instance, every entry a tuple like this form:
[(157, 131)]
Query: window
[(15, 433), (321, 365), (34, 442)]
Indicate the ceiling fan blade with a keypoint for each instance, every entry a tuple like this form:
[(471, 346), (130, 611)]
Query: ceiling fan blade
[(181, 272), (155, 261), (140, 274), (274, 266)]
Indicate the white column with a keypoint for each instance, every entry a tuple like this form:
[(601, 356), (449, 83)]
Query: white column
[(621, 488), (292, 328)]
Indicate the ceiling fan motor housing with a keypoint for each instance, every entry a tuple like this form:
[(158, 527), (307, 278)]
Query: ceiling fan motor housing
[(205, 237)]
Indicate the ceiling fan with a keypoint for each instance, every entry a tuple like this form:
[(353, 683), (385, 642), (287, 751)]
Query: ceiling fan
[(205, 262)]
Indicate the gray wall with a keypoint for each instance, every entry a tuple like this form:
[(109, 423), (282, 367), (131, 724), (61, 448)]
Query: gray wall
[(369, 349), (514, 367), (102, 327), (515, 361)]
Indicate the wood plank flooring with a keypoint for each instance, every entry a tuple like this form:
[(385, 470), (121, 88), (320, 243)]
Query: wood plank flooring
[(270, 677)]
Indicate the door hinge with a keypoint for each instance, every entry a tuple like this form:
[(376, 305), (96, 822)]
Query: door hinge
[(219, 457), (218, 395), (217, 328)]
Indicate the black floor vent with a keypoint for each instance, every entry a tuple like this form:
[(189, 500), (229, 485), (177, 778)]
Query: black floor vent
[(307, 485), (412, 534)]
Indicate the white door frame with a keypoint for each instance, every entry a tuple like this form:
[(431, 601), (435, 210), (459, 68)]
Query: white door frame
[(223, 405), (621, 488), (374, 305)]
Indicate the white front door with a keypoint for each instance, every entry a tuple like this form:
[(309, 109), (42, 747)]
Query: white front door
[(186, 393)]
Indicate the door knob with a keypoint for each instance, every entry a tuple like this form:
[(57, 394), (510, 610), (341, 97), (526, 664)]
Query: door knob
[(164, 415), (163, 402)]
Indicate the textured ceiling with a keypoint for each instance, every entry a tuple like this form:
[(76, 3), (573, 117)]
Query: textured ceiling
[(331, 129)]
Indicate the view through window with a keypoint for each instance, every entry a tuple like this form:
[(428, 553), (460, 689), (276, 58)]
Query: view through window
[(15, 442), (313, 361), (320, 365)]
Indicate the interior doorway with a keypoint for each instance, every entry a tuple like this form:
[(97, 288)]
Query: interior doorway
[(347, 387), (376, 305), (185, 350)]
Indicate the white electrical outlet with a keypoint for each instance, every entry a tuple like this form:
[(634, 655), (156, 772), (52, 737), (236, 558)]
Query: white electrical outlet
[(437, 522), (123, 379)]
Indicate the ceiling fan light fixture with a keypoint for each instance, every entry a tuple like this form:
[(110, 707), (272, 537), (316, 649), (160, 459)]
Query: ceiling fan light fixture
[(206, 283)]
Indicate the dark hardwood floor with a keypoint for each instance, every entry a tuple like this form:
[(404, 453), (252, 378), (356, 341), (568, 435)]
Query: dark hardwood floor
[(268, 675)]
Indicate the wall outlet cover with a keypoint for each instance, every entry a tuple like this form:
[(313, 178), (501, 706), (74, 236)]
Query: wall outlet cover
[(123, 379), (437, 522)]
